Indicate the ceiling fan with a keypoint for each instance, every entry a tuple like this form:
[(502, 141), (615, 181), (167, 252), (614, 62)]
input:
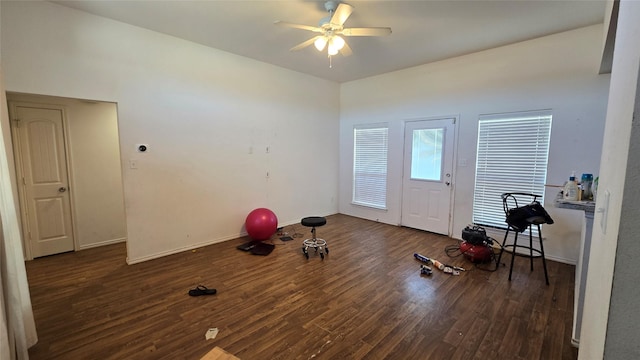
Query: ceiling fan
[(331, 28)]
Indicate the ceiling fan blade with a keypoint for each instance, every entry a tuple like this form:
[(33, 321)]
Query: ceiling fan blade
[(346, 50), (298, 26), (341, 15), (370, 31), (304, 44)]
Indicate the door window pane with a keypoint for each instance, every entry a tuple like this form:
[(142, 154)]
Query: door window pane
[(426, 154)]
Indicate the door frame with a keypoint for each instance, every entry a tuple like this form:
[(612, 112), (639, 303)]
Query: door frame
[(18, 159), (454, 160)]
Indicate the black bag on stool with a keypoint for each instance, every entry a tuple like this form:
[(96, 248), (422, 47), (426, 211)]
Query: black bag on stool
[(521, 217)]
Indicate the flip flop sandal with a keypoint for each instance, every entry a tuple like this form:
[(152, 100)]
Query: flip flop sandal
[(201, 290)]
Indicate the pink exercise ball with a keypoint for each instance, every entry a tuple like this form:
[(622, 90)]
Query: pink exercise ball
[(261, 224)]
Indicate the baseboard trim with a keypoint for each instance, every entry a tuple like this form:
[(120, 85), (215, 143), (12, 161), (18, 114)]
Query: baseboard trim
[(102, 243), (132, 261), (137, 260), (560, 259)]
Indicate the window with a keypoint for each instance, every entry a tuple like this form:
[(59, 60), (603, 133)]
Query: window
[(512, 155), (426, 154), (370, 144)]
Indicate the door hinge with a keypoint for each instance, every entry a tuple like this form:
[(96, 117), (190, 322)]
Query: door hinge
[(24, 182), (17, 121)]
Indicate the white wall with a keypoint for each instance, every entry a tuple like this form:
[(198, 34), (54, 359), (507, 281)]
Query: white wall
[(557, 72), (96, 175), (207, 116), (611, 302)]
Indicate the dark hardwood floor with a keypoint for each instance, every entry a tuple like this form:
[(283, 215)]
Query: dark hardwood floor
[(365, 300)]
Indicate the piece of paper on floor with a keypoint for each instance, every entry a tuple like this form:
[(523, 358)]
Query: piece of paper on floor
[(211, 333)]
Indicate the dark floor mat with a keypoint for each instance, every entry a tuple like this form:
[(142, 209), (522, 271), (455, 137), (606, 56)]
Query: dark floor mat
[(247, 246), (262, 249)]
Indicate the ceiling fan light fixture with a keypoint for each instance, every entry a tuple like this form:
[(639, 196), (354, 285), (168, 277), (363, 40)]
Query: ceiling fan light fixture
[(320, 42), (336, 42)]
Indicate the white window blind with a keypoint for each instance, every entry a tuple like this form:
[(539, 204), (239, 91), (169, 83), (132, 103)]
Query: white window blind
[(512, 155), (370, 165)]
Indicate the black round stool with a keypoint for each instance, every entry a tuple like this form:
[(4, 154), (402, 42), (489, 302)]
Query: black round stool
[(315, 243)]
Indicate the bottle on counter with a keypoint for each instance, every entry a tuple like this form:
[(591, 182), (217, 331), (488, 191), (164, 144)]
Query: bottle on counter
[(571, 190), (587, 186)]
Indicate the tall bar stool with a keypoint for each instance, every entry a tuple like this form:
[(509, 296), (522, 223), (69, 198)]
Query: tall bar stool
[(521, 218), (319, 245)]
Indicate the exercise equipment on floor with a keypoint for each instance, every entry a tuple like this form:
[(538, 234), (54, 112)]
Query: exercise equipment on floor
[(261, 224)]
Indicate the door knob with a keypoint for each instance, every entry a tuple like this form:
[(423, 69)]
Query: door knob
[(447, 183), (62, 189)]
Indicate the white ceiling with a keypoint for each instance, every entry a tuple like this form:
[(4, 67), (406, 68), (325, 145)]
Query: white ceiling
[(423, 31)]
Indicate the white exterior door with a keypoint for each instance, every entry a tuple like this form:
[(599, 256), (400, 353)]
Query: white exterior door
[(43, 181), (426, 184)]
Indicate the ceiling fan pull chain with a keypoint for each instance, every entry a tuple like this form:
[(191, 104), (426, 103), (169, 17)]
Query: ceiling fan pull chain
[(330, 64)]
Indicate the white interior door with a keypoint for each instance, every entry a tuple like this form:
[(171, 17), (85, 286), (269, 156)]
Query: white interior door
[(428, 163), (42, 175)]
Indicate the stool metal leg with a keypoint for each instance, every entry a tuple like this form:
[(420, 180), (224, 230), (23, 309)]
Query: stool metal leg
[(316, 244), (513, 253), (515, 246), (504, 241), (531, 247), (544, 261)]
